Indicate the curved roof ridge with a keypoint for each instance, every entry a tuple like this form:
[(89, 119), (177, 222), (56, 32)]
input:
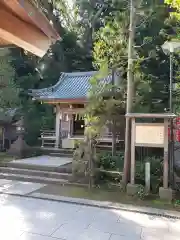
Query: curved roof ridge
[(40, 89), (69, 86), (50, 88), (73, 74), (61, 78)]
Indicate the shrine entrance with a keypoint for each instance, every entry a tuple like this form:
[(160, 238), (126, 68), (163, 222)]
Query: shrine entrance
[(78, 126)]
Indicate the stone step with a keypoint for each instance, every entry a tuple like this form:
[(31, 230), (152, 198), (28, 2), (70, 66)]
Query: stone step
[(36, 179), (37, 173), (56, 154), (67, 168), (56, 150)]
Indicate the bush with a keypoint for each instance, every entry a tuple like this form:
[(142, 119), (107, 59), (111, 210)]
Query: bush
[(106, 161), (156, 172)]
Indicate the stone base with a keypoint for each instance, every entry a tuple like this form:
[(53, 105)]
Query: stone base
[(166, 194), (19, 148), (132, 189)]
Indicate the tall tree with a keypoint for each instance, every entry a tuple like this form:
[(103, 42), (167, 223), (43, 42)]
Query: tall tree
[(151, 65), (66, 55), (9, 91), (175, 7)]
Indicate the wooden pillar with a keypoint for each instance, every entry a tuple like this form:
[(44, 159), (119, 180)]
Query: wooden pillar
[(58, 125), (3, 138), (133, 132), (70, 121), (166, 165)]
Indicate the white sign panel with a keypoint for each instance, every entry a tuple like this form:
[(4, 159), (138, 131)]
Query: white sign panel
[(152, 134)]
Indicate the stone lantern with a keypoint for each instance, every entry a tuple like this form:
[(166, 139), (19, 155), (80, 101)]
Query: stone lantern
[(19, 148)]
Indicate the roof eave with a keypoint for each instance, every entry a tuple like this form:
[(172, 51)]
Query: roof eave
[(23, 24), (68, 100)]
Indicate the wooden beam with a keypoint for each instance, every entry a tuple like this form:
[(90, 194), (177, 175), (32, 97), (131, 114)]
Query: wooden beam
[(22, 34), (39, 20), (29, 12), (67, 101), (72, 110)]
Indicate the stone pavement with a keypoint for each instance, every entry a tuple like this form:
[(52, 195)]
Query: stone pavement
[(23, 218), (17, 187), (44, 160)]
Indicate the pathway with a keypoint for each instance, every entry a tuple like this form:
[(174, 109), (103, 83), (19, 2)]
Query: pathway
[(23, 218), (45, 160)]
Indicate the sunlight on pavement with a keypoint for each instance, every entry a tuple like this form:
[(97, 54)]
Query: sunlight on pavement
[(34, 219)]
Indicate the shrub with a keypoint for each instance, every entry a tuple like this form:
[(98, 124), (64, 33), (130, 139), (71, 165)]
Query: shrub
[(156, 172), (106, 161)]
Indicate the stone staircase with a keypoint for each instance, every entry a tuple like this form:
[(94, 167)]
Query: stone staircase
[(58, 152), (36, 173)]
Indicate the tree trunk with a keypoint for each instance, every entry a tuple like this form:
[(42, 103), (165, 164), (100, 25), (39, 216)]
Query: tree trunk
[(130, 89)]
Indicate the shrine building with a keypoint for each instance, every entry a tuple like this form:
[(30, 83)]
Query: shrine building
[(69, 97)]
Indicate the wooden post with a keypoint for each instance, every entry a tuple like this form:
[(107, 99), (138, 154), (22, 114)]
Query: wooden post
[(60, 129), (147, 177), (130, 89), (166, 165), (70, 125), (133, 129), (3, 135), (58, 125)]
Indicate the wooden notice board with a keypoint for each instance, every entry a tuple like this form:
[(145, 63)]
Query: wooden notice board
[(149, 134)]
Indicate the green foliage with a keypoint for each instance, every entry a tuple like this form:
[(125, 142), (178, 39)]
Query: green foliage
[(141, 192), (156, 165), (106, 161), (9, 91), (177, 203), (106, 104), (151, 65), (175, 5), (91, 16), (65, 56), (108, 167), (37, 117), (102, 27), (111, 39)]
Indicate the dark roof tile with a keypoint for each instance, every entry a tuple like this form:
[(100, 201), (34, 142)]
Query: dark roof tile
[(70, 86)]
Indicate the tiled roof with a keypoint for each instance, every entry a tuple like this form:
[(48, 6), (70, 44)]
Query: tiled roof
[(70, 86)]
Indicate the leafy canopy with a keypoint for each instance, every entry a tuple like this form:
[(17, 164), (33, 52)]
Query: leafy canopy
[(9, 92)]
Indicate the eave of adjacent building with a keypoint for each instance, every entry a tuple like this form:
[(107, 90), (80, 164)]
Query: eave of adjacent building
[(24, 25)]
